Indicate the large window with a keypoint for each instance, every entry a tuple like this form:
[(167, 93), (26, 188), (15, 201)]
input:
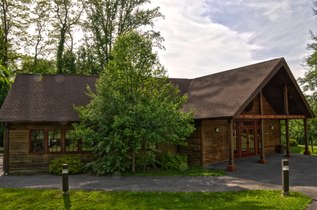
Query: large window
[(37, 141), (71, 143), (54, 140)]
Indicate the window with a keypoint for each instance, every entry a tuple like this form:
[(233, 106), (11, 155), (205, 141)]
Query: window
[(54, 140), (71, 143), (37, 141)]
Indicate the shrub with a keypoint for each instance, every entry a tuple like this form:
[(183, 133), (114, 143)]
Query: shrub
[(177, 161), (75, 166), (293, 142), (145, 159)]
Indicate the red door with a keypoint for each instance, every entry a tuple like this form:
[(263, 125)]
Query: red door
[(247, 141)]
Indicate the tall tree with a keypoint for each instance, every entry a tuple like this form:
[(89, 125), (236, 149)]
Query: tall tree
[(38, 43), (309, 81), (67, 15), (13, 27), (134, 107), (107, 19)]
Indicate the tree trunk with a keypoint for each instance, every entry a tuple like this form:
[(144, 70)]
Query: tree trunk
[(133, 161)]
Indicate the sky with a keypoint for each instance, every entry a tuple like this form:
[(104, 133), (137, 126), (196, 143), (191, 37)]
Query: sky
[(208, 36)]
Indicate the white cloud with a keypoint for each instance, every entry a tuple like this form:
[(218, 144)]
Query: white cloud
[(195, 46), (205, 36)]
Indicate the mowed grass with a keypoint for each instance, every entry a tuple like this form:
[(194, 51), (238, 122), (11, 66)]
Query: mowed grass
[(299, 149), (191, 171), (78, 199)]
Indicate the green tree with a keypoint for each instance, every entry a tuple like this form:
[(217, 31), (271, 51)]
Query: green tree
[(38, 44), (42, 66), (87, 61), (309, 81), (134, 108), (108, 19), (14, 15), (67, 16), (6, 78)]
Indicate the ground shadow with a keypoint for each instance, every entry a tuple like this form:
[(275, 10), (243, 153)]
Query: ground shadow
[(67, 202)]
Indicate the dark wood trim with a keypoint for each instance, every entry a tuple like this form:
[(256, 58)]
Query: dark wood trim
[(231, 165), (306, 152), (269, 116), (6, 145)]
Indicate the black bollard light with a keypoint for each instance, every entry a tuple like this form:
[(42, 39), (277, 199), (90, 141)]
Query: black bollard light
[(285, 176), (65, 178)]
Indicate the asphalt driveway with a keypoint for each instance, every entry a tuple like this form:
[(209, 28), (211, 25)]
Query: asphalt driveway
[(250, 175)]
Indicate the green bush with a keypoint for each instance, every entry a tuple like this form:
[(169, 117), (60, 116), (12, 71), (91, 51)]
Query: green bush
[(177, 161), (75, 166), (145, 159), (293, 142)]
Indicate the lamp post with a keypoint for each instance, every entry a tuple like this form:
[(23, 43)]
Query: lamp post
[(65, 178), (285, 176)]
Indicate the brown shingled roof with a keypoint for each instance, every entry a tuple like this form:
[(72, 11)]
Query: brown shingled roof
[(222, 94), (51, 98), (45, 98)]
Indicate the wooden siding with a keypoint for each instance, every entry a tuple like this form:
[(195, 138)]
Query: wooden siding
[(215, 146), (21, 160), (271, 137), (193, 147)]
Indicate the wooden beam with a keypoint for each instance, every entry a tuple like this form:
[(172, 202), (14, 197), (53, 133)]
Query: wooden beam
[(286, 111), (262, 154), (287, 138), (306, 152), (269, 116), (231, 165)]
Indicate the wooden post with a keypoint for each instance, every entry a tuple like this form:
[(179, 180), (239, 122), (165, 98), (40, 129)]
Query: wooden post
[(262, 153), (306, 152), (6, 150), (231, 165), (287, 154), (286, 121)]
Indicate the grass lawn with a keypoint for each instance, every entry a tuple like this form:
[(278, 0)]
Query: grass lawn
[(299, 149), (54, 199), (191, 171)]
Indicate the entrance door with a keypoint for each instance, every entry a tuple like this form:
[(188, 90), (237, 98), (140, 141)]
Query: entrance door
[(247, 141)]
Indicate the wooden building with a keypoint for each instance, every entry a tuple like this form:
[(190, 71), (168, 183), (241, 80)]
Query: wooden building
[(237, 113)]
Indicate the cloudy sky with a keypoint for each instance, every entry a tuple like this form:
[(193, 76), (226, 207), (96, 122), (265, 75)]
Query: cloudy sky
[(207, 36)]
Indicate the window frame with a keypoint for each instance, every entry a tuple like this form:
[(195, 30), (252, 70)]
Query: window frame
[(61, 141), (30, 141)]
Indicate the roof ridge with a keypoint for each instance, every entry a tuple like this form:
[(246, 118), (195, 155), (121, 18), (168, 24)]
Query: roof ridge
[(233, 69)]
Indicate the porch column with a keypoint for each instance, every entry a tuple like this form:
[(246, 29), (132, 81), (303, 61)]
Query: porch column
[(306, 152), (262, 154), (231, 165), (6, 149), (286, 110), (287, 154)]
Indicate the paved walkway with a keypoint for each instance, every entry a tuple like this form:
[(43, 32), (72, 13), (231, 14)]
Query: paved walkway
[(250, 175)]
